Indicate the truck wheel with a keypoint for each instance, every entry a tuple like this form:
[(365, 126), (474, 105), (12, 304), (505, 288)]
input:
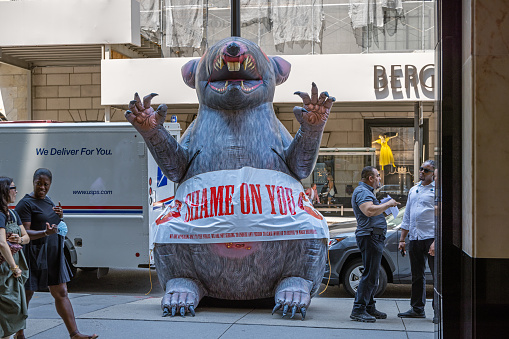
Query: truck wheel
[(352, 276), (69, 262)]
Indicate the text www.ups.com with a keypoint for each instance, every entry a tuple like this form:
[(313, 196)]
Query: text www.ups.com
[(92, 192)]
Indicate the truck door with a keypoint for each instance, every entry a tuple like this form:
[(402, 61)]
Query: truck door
[(161, 190)]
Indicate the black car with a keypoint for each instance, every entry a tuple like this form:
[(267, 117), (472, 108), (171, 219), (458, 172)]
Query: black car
[(400, 194), (345, 258)]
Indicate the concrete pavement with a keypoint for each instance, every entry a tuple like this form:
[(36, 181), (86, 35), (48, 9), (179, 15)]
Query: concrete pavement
[(127, 316)]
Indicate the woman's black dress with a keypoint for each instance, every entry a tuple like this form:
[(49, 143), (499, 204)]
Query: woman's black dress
[(45, 256)]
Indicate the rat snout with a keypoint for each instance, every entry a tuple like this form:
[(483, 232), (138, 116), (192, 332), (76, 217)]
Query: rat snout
[(234, 49), (233, 55)]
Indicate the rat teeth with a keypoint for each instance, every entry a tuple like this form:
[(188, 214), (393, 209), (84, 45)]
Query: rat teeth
[(248, 63), (233, 66), (244, 88)]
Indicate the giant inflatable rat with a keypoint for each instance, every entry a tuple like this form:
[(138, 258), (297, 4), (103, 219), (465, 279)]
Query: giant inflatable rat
[(237, 136)]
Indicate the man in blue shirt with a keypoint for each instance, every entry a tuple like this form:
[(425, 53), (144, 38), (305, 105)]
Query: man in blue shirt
[(419, 224), (370, 237)]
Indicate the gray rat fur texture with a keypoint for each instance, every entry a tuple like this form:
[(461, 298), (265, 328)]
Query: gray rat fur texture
[(236, 127)]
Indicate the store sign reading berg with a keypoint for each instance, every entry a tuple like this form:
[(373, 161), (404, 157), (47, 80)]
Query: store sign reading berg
[(408, 75)]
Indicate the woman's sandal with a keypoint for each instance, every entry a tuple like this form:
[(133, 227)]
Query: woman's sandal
[(75, 333)]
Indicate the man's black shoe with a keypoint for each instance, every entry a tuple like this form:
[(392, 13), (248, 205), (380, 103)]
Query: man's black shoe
[(362, 316), (376, 313), (412, 314)]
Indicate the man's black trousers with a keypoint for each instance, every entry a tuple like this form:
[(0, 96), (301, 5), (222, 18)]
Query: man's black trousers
[(418, 252), (371, 247)]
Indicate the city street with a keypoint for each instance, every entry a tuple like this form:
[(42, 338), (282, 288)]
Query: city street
[(137, 282), (126, 304), (116, 306)]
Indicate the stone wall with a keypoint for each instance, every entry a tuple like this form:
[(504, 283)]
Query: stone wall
[(69, 94), (14, 90)]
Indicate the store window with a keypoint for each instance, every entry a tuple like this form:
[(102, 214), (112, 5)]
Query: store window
[(185, 28), (393, 140), (337, 172)]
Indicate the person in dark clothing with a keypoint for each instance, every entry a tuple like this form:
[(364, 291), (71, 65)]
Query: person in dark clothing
[(370, 236), (45, 253), (13, 269)]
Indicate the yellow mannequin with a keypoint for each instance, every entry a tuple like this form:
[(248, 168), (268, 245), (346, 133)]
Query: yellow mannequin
[(386, 156)]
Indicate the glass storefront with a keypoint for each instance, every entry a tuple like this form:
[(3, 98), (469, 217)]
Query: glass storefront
[(188, 27), (342, 166), (391, 148), (396, 153), (395, 160)]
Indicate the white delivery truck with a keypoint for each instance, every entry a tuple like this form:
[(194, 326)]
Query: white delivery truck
[(109, 185)]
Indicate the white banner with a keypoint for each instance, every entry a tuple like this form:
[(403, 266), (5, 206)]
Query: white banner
[(242, 205)]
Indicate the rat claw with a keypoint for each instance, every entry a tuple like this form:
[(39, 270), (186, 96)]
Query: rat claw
[(304, 110), (326, 94), (294, 309), (285, 310), (191, 310), (333, 99), (182, 311), (166, 311), (277, 307), (303, 312), (173, 311)]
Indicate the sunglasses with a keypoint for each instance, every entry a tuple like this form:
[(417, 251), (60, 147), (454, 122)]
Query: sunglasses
[(425, 170), (12, 187)]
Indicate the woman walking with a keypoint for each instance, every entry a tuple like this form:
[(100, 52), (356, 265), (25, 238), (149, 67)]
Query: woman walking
[(45, 254), (13, 269)]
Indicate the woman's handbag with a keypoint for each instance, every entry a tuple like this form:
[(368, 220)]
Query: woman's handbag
[(13, 247)]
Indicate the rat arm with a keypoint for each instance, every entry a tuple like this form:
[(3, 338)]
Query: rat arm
[(302, 153), (167, 152)]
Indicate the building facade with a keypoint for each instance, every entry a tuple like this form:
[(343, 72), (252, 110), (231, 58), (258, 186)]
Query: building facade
[(375, 57), (58, 66)]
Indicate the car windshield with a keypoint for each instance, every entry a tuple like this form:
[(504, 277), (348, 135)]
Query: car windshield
[(392, 222)]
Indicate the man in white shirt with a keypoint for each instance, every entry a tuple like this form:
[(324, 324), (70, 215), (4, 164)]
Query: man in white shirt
[(312, 194), (419, 224)]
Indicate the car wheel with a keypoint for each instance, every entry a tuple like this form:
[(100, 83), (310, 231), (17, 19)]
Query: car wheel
[(352, 276)]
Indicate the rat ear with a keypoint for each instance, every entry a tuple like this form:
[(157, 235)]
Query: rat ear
[(189, 72), (281, 69)]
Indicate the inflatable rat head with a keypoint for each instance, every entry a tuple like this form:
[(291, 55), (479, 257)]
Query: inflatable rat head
[(235, 74)]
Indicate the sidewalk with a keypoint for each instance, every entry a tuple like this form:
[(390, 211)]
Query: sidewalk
[(124, 316)]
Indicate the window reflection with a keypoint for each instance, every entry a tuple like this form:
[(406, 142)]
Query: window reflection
[(188, 27)]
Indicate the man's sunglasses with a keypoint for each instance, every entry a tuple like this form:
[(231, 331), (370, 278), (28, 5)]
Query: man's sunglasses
[(425, 170)]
